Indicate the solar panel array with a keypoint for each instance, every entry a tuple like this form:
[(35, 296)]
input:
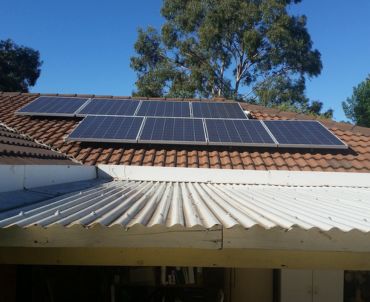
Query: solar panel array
[(108, 129), (61, 106), (53, 106), (303, 134), (238, 132), (164, 109), (173, 130), (170, 122), (109, 107), (217, 110)]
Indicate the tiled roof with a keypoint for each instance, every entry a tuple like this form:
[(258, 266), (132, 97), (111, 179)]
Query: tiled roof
[(52, 131), (18, 149)]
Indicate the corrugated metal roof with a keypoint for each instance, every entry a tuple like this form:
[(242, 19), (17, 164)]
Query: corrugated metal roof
[(189, 204)]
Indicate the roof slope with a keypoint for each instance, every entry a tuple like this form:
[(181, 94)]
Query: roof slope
[(129, 203), (16, 149), (52, 131)]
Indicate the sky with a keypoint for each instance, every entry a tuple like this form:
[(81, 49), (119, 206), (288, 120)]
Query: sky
[(86, 45)]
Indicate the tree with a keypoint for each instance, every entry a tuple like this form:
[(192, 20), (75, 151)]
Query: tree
[(315, 108), (357, 107), (19, 66), (214, 47)]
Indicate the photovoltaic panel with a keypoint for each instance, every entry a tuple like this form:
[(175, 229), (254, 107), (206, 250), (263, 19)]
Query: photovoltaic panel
[(53, 106), (217, 110), (173, 131), (303, 134), (107, 129), (238, 133), (109, 107), (164, 109)]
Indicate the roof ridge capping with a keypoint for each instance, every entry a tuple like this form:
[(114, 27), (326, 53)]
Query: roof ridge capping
[(230, 176), (37, 142)]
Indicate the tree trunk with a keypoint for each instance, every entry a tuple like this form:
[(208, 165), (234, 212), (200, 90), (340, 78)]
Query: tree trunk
[(236, 90), (221, 82)]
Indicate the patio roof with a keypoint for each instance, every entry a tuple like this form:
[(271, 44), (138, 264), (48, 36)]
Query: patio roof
[(213, 214)]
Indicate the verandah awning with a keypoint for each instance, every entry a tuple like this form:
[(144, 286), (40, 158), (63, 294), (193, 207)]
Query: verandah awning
[(200, 215)]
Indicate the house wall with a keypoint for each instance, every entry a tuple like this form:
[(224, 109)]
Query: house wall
[(19, 177), (8, 283), (249, 285)]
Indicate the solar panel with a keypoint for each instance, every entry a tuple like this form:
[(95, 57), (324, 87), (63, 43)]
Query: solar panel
[(53, 106), (107, 129), (164, 109), (238, 133), (173, 131), (109, 107), (217, 110), (303, 134)]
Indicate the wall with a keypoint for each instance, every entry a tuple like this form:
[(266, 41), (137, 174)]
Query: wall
[(19, 177), (249, 285)]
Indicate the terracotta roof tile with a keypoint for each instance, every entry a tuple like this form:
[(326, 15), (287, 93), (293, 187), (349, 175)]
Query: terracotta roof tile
[(115, 156), (127, 156), (180, 159), (149, 157), (225, 160), (105, 156), (52, 131), (193, 159), (203, 159), (16, 148), (214, 160), (173, 159), (159, 158)]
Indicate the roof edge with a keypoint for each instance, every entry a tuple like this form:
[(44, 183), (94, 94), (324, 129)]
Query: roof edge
[(253, 177), (39, 143)]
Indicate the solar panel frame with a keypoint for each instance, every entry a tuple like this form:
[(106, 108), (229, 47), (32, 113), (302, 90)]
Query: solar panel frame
[(170, 141), (341, 145), (143, 107), (122, 105), (256, 124), (56, 114), (73, 137), (195, 112)]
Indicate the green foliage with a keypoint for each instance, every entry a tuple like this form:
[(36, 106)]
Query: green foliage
[(213, 48), (19, 67), (357, 107)]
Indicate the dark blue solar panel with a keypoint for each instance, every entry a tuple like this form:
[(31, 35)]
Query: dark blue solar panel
[(110, 107), (238, 132), (308, 134), (217, 110), (53, 106), (107, 129), (164, 109), (173, 131)]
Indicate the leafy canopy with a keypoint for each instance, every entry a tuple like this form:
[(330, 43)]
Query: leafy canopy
[(19, 66), (357, 107), (211, 48)]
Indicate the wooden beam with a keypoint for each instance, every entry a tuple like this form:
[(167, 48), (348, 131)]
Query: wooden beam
[(248, 258), (296, 239), (139, 236)]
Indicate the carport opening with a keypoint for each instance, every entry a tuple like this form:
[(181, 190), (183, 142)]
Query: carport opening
[(113, 284)]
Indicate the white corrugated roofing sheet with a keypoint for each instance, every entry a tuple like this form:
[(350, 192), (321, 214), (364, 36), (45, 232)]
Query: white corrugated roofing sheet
[(202, 205)]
